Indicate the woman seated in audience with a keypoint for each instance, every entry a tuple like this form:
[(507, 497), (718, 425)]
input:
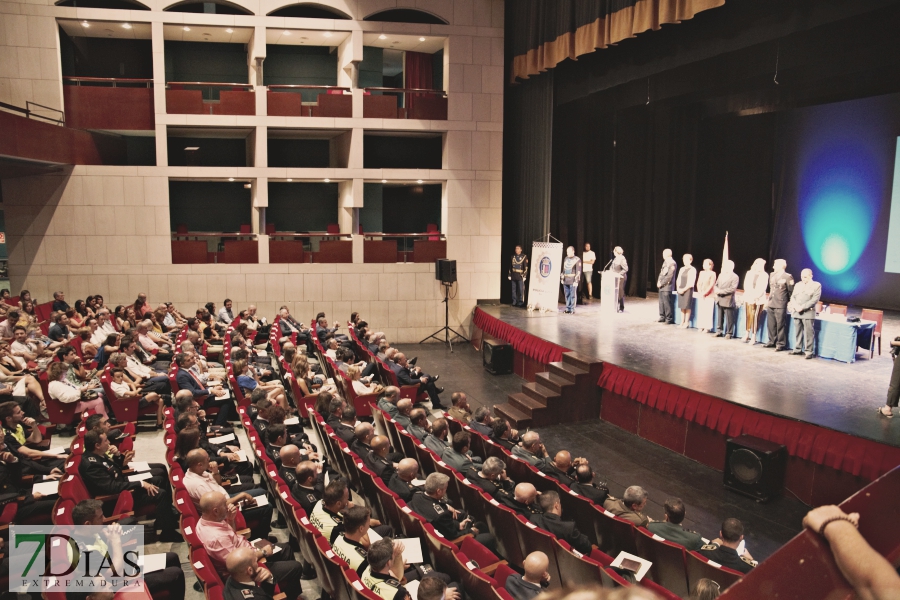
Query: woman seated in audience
[(124, 390), (306, 380), (24, 296), (67, 392), (88, 350), (107, 348), (119, 315), (248, 379), (76, 320), (26, 315), (158, 318), (131, 318), (21, 382), (98, 303), (79, 375), (5, 296), (359, 386)]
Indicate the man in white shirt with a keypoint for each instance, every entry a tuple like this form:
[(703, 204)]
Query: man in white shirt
[(24, 348), (7, 327), (103, 322), (588, 258), (225, 315)]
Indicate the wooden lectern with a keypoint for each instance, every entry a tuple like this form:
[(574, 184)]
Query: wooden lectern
[(609, 292)]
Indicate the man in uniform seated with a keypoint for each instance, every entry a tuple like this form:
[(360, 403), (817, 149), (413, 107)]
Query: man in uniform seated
[(344, 429), (670, 527), (461, 411), (24, 440), (103, 477), (532, 451), (217, 534), (401, 482), (724, 550), (448, 521), (585, 485), (504, 435), (309, 485), (404, 408), (630, 506), (376, 459), (419, 426), (436, 441), (388, 401), (458, 455), (535, 580), (523, 500), (328, 514), (247, 580), (551, 520), (562, 468), (383, 556), (492, 478), (481, 421)]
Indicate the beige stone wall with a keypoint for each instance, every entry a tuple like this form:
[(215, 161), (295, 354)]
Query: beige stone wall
[(106, 229)]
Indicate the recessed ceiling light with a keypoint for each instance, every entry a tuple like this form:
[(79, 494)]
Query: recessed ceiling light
[(229, 31), (126, 25), (421, 39), (187, 28), (327, 180), (418, 181), (231, 179), (85, 24), (382, 37), (384, 181), (287, 33), (289, 179), (327, 34)]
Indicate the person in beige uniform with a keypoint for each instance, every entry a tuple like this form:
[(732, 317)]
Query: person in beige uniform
[(756, 281)]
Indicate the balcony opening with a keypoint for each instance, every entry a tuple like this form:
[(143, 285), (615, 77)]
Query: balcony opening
[(210, 8), (401, 222), (403, 77), (308, 149), (301, 74), (203, 147), (402, 150), (309, 10), (405, 15), (302, 223), (111, 4), (211, 221)]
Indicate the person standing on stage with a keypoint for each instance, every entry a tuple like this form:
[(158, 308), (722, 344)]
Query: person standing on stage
[(687, 277), (570, 276), (802, 305), (726, 285), (666, 284), (588, 258), (620, 267), (706, 303), (893, 397), (755, 283), (781, 285), (518, 273)]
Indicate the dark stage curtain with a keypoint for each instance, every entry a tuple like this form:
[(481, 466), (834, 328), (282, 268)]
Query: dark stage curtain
[(545, 32), (419, 75), (654, 177), (526, 166)]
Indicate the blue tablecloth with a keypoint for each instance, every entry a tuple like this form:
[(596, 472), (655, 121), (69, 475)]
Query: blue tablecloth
[(834, 339)]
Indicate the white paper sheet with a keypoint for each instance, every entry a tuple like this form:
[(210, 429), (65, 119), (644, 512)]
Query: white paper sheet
[(413, 588), (260, 501), (139, 476), (47, 488), (139, 467), (218, 441), (292, 421), (412, 550), (258, 543), (153, 562), (60, 450), (373, 536)]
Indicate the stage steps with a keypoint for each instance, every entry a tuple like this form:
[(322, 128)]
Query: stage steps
[(565, 393)]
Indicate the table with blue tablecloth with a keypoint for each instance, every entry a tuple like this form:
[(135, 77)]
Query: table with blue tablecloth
[(835, 337)]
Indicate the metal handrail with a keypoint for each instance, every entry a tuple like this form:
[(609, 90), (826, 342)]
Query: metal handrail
[(309, 234), (308, 87), (405, 90), (371, 234), (113, 80), (209, 83), (30, 113)]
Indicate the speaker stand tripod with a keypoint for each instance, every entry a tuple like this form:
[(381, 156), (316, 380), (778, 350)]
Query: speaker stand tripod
[(446, 329)]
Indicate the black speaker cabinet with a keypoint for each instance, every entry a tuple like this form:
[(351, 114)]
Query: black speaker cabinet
[(755, 467), (445, 270), (497, 357)]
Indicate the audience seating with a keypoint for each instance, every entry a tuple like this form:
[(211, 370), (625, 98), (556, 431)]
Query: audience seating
[(870, 314), (698, 567)]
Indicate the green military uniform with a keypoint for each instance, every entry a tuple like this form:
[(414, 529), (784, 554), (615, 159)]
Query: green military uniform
[(675, 533), (727, 557)]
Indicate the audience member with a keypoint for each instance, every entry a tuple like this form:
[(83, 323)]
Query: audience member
[(670, 527), (492, 478), (388, 401), (448, 521), (630, 506), (419, 426), (436, 441), (481, 421), (706, 589), (376, 460), (550, 519), (724, 549), (522, 501), (534, 581), (401, 482), (532, 451), (247, 580), (458, 455), (460, 409)]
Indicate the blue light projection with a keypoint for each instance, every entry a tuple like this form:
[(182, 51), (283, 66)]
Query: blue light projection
[(839, 200)]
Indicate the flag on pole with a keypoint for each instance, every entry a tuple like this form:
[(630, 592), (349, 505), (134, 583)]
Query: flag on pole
[(725, 250)]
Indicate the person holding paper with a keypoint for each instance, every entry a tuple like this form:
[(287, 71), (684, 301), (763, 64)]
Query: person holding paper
[(32, 504), (104, 477), (23, 438), (724, 549), (170, 577), (216, 530)]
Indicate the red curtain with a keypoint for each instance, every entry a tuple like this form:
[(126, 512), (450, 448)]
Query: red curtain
[(419, 75), (524, 343)]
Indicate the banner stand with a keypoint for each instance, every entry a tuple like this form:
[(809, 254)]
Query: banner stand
[(546, 266)]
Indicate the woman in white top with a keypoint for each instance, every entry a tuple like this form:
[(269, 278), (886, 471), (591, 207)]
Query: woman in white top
[(361, 389), (755, 284), (706, 302), (21, 383), (684, 285), (67, 392)]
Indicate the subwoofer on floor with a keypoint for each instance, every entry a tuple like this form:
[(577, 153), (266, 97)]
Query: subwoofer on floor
[(497, 357), (755, 467)]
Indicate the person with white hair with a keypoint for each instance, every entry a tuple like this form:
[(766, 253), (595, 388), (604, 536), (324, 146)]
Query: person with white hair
[(726, 285), (619, 266), (803, 302), (630, 507), (756, 281), (781, 286)]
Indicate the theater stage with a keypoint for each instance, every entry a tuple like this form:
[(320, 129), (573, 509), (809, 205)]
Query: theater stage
[(837, 395)]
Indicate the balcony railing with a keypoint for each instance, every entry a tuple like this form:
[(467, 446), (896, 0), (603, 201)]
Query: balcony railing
[(109, 103), (311, 247), (404, 247), (30, 113), (201, 247), (210, 98), (404, 103), (309, 101)]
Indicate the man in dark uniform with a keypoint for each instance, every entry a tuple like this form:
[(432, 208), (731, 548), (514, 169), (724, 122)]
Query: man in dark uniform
[(585, 486), (570, 277), (104, 477), (448, 521), (492, 478), (377, 460), (481, 421), (781, 286), (32, 506), (551, 520), (401, 482), (309, 485), (666, 284), (518, 274), (724, 549), (726, 285), (247, 580), (522, 501), (560, 468), (419, 426), (344, 429)]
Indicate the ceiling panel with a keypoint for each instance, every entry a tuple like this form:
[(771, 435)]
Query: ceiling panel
[(207, 33), (110, 29), (410, 43), (305, 37)]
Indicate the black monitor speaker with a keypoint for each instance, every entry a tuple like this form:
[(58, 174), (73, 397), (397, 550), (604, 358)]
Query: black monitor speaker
[(445, 270), (755, 467), (497, 357)]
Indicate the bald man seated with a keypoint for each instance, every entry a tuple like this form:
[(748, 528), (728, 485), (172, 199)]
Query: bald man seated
[(401, 482), (534, 581), (247, 579), (217, 533), (377, 460), (562, 467), (404, 408), (523, 500)]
